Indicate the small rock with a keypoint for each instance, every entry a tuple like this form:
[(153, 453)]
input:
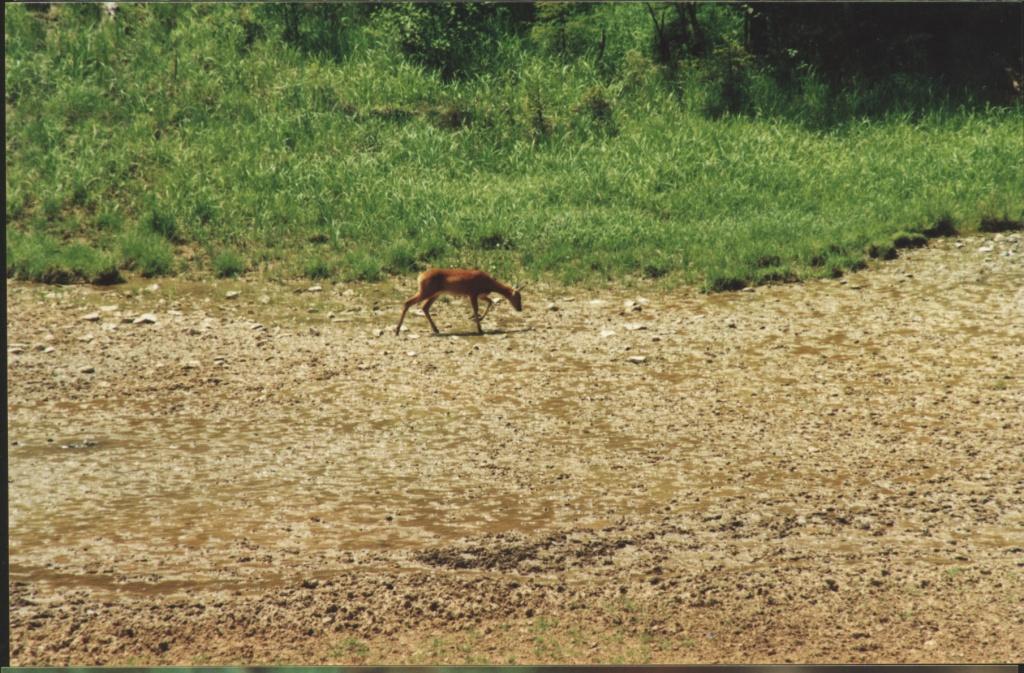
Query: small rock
[(190, 364), (148, 318), (16, 350), (634, 326), (637, 359), (731, 323), (747, 289), (152, 288), (552, 307), (232, 294), (597, 302), (378, 332), (48, 349), (985, 248), (348, 293), (256, 326), (92, 317), (109, 308), (605, 333), (86, 338), (264, 299), (655, 338), (314, 288), (958, 244), (88, 369), (411, 354)]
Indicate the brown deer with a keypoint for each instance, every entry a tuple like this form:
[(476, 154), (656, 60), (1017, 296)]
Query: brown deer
[(462, 283)]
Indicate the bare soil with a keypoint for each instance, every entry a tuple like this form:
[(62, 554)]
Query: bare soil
[(824, 472)]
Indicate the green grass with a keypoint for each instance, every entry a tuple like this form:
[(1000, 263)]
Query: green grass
[(147, 253), (228, 264), (168, 127), (39, 257)]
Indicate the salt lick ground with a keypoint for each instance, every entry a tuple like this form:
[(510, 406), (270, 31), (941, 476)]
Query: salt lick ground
[(820, 472)]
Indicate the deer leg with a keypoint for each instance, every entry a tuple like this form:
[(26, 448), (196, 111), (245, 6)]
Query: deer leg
[(411, 302), (476, 313), (490, 305), (426, 312)]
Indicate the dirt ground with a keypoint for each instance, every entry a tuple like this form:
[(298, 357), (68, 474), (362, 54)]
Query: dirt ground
[(825, 472)]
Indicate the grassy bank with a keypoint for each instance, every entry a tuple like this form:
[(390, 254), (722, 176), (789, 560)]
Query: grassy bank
[(171, 139)]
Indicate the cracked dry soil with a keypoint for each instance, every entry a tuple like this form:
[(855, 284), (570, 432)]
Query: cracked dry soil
[(820, 472)]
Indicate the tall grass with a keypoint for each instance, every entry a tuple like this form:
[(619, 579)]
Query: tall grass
[(172, 128)]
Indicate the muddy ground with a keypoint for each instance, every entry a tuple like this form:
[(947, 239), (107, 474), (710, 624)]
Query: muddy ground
[(825, 472)]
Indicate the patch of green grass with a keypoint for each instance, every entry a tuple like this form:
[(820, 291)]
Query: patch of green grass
[(359, 265), (228, 264), (38, 257), (319, 267), (540, 164), (147, 253), (350, 649)]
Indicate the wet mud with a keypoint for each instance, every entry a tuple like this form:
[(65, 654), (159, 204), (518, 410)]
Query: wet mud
[(819, 472)]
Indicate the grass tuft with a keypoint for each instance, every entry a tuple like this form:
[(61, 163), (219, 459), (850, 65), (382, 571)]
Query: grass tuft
[(40, 258), (147, 253), (228, 263)]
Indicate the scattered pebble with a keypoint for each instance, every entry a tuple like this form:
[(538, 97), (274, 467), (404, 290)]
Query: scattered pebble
[(88, 369), (152, 288), (634, 326), (605, 333), (637, 359), (264, 299), (148, 318), (411, 354), (232, 294), (16, 350), (552, 307), (92, 317), (985, 248), (191, 364), (314, 288)]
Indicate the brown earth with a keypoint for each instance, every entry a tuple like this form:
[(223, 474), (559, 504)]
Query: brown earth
[(826, 472)]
